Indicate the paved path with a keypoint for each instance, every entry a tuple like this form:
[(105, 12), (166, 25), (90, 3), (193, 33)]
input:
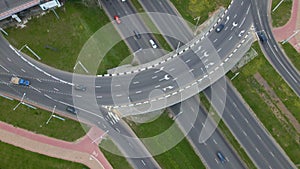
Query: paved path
[(288, 29), (82, 151)]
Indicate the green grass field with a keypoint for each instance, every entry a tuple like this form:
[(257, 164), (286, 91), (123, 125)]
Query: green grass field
[(293, 55), (67, 36), (251, 90), (283, 91), (180, 156), (190, 9), (15, 157), (35, 120), (117, 162), (282, 14)]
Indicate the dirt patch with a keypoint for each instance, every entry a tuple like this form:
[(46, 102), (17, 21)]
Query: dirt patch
[(278, 108)]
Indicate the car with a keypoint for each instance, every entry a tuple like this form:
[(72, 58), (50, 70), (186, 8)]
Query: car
[(80, 87), (262, 37), (24, 82), (153, 44), (19, 81), (72, 110), (116, 17), (221, 157), (137, 34), (220, 28)]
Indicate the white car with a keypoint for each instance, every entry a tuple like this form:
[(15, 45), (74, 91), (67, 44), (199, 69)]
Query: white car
[(153, 44)]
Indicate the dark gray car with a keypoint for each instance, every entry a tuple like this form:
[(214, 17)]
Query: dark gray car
[(80, 87), (71, 110), (137, 34)]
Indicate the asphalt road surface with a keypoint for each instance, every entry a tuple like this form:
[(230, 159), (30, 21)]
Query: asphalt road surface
[(55, 86), (271, 49), (259, 145), (207, 149), (216, 141), (103, 118), (159, 7)]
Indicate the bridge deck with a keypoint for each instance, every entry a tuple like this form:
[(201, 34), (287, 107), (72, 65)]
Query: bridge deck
[(10, 7)]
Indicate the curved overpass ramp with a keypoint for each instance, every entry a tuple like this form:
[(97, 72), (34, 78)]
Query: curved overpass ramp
[(153, 86)]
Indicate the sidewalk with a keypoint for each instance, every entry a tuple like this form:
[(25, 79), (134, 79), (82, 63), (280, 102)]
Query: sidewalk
[(81, 151), (288, 29)]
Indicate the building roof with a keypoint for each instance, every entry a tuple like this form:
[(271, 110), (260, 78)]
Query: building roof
[(10, 7)]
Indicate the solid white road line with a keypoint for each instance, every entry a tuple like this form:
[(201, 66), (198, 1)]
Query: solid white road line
[(4, 68)]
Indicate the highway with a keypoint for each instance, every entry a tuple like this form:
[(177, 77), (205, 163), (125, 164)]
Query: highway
[(259, 145), (206, 149), (205, 143), (110, 90), (132, 89), (240, 130), (55, 88), (129, 26), (216, 142), (166, 76), (104, 119), (273, 52), (182, 67), (180, 32)]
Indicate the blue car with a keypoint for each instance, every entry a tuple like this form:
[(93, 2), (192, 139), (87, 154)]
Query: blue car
[(24, 82), (221, 157), (219, 28)]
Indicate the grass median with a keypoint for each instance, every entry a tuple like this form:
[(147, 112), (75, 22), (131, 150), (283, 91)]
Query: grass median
[(292, 54), (117, 162), (180, 156), (15, 157), (252, 92), (190, 9), (282, 14), (146, 19), (227, 133), (35, 120)]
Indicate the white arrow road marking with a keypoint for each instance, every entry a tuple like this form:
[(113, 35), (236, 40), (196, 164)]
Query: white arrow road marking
[(169, 87)]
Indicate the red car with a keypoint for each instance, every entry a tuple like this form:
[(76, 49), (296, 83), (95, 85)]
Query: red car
[(116, 17)]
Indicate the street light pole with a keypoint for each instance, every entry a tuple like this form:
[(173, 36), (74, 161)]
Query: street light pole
[(277, 5), (2, 30), (235, 75), (99, 3), (22, 47), (55, 13), (51, 114), (175, 117), (20, 102), (294, 34), (25, 46), (39, 58), (100, 137), (198, 19)]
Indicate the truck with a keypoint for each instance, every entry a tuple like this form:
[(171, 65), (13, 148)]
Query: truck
[(19, 81)]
